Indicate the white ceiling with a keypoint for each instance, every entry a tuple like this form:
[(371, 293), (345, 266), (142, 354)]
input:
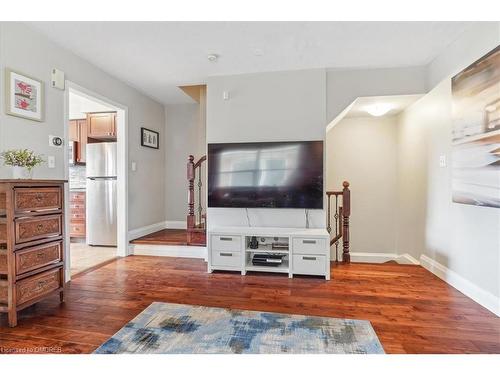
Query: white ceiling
[(396, 103), (156, 57), (80, 105)]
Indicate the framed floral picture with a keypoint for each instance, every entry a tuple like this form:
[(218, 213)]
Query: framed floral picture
[(23, 96), (150, 138)]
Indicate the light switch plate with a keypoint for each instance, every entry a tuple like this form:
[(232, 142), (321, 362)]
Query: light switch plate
[(442, 161), (133, 166), (57, 79), (51, 161)]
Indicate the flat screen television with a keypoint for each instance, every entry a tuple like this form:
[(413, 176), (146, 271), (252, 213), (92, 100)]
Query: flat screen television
[(266, 174)]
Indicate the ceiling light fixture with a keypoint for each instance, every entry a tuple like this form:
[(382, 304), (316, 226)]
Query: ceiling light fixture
[(212, 57), (378, 110)]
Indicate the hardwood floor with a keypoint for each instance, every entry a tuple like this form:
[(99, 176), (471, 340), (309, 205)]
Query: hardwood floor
[(411, 310), (164, 237)]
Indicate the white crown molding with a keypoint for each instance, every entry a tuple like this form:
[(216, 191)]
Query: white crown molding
[(471, 290)]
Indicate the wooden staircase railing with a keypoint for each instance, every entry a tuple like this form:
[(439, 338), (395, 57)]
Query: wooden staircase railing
[(196, 231), (341, 220)]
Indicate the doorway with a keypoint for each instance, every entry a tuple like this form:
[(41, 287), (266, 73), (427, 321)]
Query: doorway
[(96, 203)]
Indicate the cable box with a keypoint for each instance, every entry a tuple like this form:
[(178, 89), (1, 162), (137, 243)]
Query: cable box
[(268, 260)]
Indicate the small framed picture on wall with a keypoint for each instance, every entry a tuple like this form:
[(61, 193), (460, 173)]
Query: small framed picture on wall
[(23, 96), (150, 138)]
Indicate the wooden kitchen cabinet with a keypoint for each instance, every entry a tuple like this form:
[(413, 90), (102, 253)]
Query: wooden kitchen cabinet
[(101, 125), (78, 134), (81, 149), (74, 131), (77, 214)]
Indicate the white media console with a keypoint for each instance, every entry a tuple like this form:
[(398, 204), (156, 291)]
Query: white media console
[(307, 253)]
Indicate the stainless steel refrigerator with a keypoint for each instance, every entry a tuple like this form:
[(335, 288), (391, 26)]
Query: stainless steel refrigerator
[(101, 194)]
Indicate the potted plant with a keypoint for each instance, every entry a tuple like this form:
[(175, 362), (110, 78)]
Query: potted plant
[(22, 162)]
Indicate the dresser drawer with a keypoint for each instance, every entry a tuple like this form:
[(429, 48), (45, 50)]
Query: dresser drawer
[(3, 291), (39, 256), (37, 199), (38, 227), (3, 260), (305, 245), (309, 264), (38, 285), (77, 229), (226, 258), (3, 232), (226, 243)]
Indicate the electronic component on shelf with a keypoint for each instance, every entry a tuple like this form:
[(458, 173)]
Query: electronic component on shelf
[(268, 260), (279, 246)]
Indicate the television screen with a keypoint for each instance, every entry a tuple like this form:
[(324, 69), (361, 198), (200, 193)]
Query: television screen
[(270, 174)]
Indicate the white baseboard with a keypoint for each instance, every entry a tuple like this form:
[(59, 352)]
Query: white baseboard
[(170, 224), (471, 290), (143, 231), (382, 258), (199, 252), (148, 229)]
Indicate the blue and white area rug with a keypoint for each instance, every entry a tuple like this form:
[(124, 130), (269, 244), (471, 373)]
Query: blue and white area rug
[(166, 328)]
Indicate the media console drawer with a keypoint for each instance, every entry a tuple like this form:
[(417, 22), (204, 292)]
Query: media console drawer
[(226, 243), (309, 264), (226, 258), (303, 245)]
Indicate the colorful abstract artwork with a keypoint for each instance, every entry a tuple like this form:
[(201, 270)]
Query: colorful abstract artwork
[(24, 96), (167, 328), (476, 132)]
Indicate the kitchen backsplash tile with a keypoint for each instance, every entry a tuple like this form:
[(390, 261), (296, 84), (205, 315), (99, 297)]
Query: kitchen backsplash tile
[(77, 177)]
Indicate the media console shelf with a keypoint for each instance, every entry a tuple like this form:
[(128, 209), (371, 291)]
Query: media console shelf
[(305, 251)]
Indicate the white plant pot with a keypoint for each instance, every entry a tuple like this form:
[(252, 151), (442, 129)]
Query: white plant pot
[(21, 173)]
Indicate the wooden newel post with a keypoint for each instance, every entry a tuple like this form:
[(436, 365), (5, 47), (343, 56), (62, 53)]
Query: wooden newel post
[(346, 212), (190, 177)]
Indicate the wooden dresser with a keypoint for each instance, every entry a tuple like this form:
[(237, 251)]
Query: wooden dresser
[(31, 243)]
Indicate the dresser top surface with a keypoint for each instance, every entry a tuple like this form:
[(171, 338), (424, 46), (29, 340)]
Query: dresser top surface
[(31, 182)]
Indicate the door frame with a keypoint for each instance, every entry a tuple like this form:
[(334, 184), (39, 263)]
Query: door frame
[(122, 249)]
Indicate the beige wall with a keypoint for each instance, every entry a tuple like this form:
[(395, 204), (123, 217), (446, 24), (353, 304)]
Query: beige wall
[(363, 151), (185, 136)]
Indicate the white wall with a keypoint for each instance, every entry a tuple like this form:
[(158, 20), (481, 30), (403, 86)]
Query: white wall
[(461, 243), (345, 85), (464, 239), (476, 41), (29, 52), (183, 138), (280, 106), (363, 151)]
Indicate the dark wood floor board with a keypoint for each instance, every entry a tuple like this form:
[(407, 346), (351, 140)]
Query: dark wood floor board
[(411, 310)]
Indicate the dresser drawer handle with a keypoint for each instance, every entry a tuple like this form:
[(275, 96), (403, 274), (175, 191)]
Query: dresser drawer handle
[(309, 241), (226, 254), (38, 197), (41, 284), (226, 238), (309, 258), (39, 227), (40, 255)]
